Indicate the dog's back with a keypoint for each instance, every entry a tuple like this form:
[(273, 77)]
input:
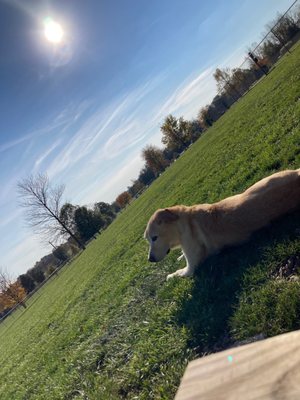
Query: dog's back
[(270, 198), (236, 217)]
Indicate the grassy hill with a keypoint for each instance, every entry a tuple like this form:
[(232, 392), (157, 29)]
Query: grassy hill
[(111, 327)]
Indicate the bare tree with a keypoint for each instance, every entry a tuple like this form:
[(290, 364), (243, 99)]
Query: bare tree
[(43, 204), (226, 83)]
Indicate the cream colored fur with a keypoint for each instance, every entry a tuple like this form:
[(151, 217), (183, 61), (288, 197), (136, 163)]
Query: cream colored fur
[(204, 229)]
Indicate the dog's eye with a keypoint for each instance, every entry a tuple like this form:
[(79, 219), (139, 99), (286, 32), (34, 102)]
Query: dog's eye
[(154, 238)]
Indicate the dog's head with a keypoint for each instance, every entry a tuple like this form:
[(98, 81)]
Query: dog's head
[(162, 233)]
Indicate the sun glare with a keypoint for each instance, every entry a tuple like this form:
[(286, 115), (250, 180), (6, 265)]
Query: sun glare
[(53, 31)]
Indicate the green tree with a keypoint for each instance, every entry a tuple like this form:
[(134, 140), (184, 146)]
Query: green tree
[(61, 253), (27, 282), (146, 175), (204, 117), (174, 134), (36, 274), (154, 158), (105, 210), (87, 223), (135, 188)]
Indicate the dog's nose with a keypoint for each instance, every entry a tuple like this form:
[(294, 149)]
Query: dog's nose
[(151, 258)]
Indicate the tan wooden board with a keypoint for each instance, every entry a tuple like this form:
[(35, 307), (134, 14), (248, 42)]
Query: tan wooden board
[(269, 369)]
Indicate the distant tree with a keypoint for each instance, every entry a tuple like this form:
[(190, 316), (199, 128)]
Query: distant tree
[(269, 51), (61, 253), (222, 78), (204, 117), (296, 15), (87, 223), (174, 133), (123, 199), (284, 28), (43, 207), (189, 130), (154, 158), (42, 267), (106, 211), (146, 175), (36, 274), (225, 83), (66, 215), (195, 130), (242, 79), (115, 207), (27, 282), (135, 188), (11, 293)]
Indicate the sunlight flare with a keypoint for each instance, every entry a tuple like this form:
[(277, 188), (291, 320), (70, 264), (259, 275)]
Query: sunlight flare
[(53, 31)]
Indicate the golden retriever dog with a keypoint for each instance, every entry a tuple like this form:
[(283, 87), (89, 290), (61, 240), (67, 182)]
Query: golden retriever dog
[(204, 229)]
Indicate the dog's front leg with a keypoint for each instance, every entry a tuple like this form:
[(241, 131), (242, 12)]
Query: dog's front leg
[(180, 257), (192, 260)]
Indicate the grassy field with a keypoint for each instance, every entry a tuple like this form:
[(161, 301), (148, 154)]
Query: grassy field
[(111, 327)]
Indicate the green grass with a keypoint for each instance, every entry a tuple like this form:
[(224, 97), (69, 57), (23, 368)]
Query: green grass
[(111, 327)]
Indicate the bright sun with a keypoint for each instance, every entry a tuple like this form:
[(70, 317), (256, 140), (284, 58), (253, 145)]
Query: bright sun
[(53, 31)]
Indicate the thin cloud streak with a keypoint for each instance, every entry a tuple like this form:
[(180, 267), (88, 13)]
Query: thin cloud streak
[(109, 187), (96, 132), (63, 121), (10, 218), (193, 93), (44, 156)]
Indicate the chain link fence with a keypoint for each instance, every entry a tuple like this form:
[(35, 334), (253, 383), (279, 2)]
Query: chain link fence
[(259, 61)]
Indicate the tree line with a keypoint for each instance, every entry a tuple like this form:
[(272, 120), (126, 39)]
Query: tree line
[(69, 227), (178, 133), (65, 226)]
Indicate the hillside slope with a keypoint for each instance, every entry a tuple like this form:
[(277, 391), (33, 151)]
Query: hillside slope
[(111, 327)]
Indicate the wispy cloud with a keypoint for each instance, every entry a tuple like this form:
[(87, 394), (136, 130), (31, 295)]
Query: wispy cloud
[(8, 189), (100, 131), (16, 142), (8, 219), (193, 91), (235, 59), (114, 182), (45, 154), (62, 121)]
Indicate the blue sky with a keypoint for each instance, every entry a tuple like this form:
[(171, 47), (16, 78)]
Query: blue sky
[(83, 109)]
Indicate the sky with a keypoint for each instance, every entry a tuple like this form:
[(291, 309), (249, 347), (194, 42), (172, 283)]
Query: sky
[(82, 110)]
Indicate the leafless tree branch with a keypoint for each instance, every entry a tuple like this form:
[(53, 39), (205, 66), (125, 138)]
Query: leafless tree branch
[(42, 204)]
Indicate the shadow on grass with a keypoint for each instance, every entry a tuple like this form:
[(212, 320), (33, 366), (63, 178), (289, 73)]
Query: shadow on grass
[(219, 281)]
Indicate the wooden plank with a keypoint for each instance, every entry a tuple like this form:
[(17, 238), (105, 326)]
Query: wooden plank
[(269, 369)]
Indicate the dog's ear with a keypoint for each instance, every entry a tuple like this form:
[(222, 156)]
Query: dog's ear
[(166, 216)]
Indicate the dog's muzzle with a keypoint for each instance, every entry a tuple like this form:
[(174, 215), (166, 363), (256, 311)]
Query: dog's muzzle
[(151, 258)]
